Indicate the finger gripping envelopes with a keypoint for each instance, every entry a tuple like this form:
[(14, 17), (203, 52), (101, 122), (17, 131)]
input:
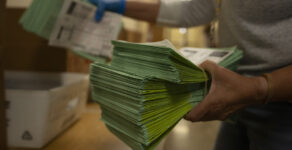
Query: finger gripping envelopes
[(147, 89)]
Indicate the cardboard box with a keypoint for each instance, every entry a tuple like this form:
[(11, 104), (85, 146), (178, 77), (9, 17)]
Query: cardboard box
[(42, 105)]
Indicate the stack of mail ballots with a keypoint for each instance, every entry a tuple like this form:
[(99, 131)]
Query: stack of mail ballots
[(149, 87), (71, 24)]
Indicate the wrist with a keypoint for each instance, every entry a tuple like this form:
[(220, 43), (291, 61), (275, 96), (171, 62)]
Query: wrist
[(261, 89)]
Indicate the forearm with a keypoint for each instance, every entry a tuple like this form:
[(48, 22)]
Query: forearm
[(280, 85), (145, 11)]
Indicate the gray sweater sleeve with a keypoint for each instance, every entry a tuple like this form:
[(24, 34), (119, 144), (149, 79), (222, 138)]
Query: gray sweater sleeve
[(186, 13)]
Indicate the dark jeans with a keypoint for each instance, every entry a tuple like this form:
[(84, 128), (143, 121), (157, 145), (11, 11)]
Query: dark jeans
[(264, 127)]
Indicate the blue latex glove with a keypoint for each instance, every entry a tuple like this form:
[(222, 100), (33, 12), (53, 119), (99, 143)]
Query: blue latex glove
[(118, 6)]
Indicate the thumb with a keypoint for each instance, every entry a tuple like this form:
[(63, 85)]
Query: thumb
[(100, 12), (209, 66), (197, 113), (99, 15)]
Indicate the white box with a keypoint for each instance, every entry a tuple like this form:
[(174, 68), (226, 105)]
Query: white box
[(42, 105)]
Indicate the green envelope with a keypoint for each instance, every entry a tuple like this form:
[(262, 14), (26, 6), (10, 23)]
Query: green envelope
[(41, 17)]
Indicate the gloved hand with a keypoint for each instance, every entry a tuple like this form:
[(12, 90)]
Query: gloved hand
[(118, 6)]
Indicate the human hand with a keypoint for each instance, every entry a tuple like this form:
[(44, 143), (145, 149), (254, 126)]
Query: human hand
[(118, 6), (229, 92)]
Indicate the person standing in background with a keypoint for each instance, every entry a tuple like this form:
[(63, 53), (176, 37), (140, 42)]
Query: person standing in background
[(257, 96)]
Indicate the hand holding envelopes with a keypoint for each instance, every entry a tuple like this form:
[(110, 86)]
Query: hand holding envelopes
[(147, 89)]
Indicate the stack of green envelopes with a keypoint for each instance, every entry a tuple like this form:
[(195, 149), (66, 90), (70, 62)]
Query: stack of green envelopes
[(41, 17), (147, 89), (139, 110), (155, 60), (160, 60)]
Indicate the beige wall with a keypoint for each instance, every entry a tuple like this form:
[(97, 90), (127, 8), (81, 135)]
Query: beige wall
[(194, 37), (18, 3)]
